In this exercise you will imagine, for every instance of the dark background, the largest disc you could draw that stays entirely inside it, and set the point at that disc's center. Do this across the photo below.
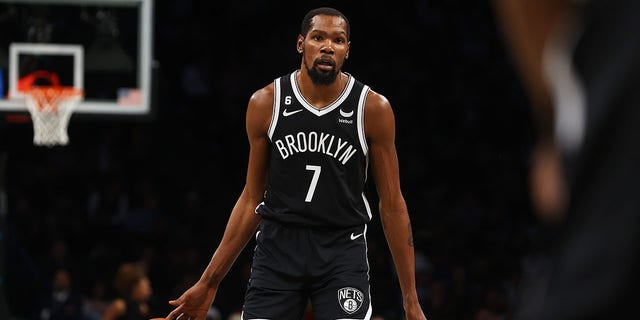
(159, 189)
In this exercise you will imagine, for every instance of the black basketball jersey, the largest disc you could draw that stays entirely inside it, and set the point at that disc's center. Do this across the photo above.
(318, 161)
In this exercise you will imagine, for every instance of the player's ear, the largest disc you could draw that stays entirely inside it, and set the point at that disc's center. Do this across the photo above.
(346, 56)
(300, 44)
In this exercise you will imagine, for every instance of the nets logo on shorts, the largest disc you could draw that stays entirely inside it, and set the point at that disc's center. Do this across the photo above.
(350, 299)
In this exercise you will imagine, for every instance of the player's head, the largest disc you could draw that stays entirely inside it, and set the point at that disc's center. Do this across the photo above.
(307, 22)
(324, 43)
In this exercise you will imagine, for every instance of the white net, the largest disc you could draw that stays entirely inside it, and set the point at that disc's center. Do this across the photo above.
(51, 109)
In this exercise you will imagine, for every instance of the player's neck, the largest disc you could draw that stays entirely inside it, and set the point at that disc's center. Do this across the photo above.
(320, 95)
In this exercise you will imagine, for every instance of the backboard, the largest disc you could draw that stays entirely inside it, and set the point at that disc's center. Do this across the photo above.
(103, 47)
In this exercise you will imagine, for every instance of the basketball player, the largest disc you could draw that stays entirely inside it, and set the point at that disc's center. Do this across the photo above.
(312, 135)
(580, 62)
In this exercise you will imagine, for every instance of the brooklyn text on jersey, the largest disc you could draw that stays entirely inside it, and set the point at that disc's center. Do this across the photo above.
(312, 141)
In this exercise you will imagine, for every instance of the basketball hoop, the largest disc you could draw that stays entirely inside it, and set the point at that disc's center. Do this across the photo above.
(51, 108)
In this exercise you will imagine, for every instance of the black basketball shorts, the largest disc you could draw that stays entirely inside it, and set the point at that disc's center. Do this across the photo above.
(296, 267)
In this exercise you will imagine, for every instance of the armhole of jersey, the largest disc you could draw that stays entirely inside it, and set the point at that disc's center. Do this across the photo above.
(276, 108)
(361, 134)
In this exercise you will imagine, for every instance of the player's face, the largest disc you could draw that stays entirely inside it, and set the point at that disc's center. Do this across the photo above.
(324, 48)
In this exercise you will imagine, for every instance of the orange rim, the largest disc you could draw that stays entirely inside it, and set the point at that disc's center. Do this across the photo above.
(45, 95)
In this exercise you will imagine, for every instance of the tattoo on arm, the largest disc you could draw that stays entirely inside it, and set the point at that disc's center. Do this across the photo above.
(410, 240)
(213, 280)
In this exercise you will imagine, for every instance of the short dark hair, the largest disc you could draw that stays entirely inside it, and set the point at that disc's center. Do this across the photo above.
(306, 22)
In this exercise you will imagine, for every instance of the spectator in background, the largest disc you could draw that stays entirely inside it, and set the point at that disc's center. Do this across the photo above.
(62, 301)
(235, 316)
(213, 314)
(96, 302)
(134, 292)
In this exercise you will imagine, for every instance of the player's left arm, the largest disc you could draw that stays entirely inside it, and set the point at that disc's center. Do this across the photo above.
(380, 130)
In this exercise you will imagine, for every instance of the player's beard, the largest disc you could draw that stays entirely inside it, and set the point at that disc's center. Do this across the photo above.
(321, 78)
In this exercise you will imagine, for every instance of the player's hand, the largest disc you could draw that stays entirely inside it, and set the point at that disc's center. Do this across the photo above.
(193, 304)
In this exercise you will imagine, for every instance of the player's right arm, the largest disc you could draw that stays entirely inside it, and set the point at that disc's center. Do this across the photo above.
(195, 302)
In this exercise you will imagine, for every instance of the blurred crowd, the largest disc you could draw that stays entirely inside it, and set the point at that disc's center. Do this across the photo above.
(157, 191)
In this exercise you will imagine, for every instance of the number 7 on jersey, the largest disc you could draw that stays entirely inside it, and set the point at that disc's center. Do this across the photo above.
(314, 181)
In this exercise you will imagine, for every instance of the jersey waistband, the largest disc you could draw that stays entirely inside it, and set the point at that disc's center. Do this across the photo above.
(288, 224)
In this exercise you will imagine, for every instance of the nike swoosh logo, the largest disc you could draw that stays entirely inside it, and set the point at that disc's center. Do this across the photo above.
(356, 236)
(288, 113)
(346, 114)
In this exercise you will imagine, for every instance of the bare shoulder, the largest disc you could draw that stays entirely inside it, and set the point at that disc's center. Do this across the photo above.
(259, 109)
(116, 309)
(376, 103)
(263, 97)
(378, 116)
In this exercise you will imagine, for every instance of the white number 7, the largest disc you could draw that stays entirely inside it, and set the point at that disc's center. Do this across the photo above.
(314, 181)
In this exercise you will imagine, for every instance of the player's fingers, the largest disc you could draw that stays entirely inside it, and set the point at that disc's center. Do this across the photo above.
(176, 302)
(176, 313)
